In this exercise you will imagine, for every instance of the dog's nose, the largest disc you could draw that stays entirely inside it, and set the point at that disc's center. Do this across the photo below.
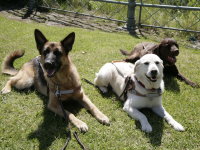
(49, 64)
(154, 72)
(176, 52)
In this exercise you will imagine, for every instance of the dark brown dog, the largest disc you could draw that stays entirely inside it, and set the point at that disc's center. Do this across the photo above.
(167, 50)
(55, 69)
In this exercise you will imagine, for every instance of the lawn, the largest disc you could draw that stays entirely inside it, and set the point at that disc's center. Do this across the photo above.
(26, 123)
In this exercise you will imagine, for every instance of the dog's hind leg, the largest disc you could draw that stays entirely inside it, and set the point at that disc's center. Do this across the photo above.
(8, 86)
(22, 80)
(102, 82)
(160, 111)
(103, 78)
(137, 115)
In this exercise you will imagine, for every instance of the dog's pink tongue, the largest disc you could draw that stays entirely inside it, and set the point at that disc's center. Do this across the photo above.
(50, 72)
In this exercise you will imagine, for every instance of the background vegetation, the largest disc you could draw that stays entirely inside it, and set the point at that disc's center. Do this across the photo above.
(26, 123)
(182, 19)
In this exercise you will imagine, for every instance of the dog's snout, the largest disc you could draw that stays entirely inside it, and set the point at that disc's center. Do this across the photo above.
(154, 72)
(176, 52)
(48, 64)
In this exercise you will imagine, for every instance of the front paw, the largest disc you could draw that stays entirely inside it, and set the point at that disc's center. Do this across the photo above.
(194, 85)
(146, 127)
(104, 120)
(82, 126)
(178, 127)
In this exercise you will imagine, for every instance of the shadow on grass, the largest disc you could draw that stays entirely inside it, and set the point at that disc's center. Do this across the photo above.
(157, 123)
(53, 126)
(110, 94)
(171, 84)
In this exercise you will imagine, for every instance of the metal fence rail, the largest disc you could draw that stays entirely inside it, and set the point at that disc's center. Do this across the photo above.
(180, 16)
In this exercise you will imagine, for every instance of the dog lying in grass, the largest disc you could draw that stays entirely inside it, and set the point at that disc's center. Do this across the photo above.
(146, 89)
(52, 74)
(167, 50)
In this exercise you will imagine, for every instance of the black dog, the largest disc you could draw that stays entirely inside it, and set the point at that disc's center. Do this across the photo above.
(167, 50)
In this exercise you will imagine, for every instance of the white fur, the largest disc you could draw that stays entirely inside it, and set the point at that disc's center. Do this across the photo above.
(108, 75)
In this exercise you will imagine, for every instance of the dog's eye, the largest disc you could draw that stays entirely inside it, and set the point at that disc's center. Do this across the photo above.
(45, 52)
(57, 53)
(146, 63)
(157, 62)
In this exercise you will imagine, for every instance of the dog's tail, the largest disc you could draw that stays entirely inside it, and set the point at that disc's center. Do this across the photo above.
(7, 67)
(123, 52)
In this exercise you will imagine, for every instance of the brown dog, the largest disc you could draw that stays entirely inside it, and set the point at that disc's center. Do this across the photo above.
(55, 69)
(167, 50)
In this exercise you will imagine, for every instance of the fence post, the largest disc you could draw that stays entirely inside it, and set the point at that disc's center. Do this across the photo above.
(31, 6)
(131, 26)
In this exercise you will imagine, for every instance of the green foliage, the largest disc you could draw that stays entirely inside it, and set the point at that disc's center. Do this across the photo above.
(26, 123)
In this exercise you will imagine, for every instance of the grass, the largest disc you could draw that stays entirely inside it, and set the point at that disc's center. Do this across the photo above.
(26, 123)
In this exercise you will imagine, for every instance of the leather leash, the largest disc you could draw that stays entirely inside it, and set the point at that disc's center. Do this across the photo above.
(130, 85)
(68, 130)
(58, 94)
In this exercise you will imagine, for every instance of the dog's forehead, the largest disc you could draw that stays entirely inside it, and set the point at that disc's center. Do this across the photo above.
(150, 58)
(53, 45)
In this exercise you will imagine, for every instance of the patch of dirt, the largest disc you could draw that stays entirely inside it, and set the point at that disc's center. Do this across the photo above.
(80, 21)
(67, 19)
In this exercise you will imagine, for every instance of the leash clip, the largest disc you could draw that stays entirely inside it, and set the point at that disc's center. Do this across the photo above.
(58, 93)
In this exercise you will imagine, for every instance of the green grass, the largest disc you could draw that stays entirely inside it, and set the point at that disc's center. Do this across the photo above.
(26, 123)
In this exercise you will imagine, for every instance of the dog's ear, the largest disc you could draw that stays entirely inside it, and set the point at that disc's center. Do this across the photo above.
(40, 40)
(136, 65)
(68, 42)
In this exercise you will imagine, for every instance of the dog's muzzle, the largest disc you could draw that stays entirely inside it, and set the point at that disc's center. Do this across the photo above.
(153, 75)
(50, 68)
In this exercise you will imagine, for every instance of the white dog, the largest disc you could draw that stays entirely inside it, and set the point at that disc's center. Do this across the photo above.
(147, 87)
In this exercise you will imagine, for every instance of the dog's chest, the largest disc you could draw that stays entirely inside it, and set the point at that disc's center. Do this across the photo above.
(143, 102)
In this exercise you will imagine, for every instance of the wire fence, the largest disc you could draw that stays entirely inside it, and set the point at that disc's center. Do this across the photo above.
(182, 15)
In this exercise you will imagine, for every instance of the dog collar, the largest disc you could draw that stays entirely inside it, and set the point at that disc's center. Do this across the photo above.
(151, 92)
(156, 93)
(130, 87)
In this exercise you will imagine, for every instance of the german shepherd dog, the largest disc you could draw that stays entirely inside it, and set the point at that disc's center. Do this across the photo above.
(51, 70)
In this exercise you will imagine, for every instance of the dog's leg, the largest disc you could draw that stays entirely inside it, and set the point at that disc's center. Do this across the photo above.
(86, 102)
(173, 71)
(160, 111)
(137, 115)
(182, 78)
(54, 106)
(7, 88)
(101, 82)
(22, 80)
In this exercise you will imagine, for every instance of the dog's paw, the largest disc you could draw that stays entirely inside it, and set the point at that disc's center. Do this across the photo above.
(104, 120)
(177, 126)
(82, 126)
(146, 127)
(103, 89)
(5, 90)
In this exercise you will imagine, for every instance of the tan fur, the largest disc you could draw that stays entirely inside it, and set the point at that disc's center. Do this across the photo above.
(7, 67)
(65, 78)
